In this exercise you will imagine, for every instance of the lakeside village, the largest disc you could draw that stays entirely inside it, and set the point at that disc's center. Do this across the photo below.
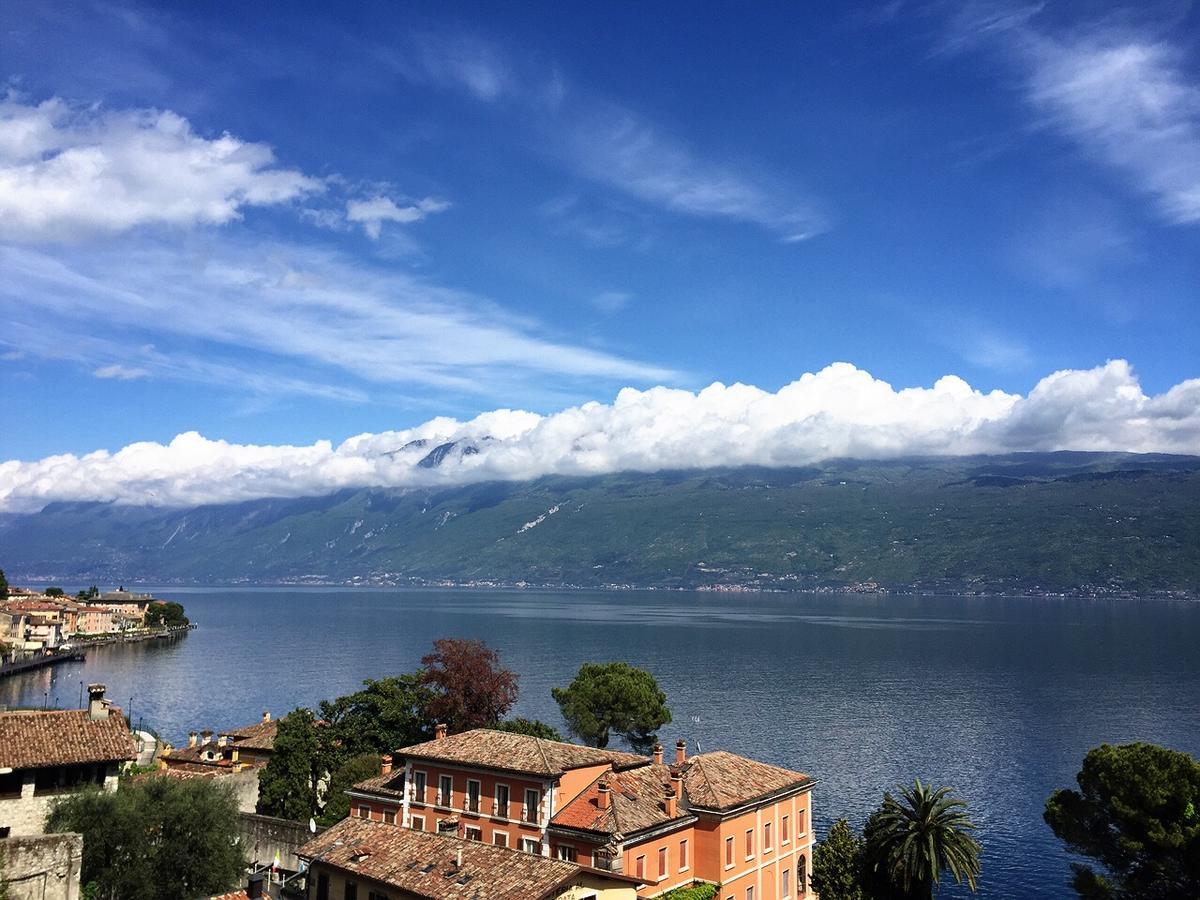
(39, 628)
(420, 787)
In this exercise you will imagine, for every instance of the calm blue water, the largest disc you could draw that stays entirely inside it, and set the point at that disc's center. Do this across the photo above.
(1000, 698)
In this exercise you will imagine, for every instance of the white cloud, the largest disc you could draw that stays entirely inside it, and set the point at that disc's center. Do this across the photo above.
(287, 317)
(121, 372)
(372, 213)
(1132, 103)
(840, 411)
(68, 173)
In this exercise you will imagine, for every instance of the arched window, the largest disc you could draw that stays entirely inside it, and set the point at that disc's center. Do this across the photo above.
(801, 875)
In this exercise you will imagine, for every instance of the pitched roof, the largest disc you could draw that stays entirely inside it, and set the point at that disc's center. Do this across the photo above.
(60, 737)
(721, 780)
(426, 865)
(635, 803)
(390, 785)
(259, 736)
(522, 753)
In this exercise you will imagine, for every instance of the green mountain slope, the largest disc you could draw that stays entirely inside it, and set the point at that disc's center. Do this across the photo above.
(1066, 521)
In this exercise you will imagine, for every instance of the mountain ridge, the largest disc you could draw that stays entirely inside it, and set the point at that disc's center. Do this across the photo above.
(1093, 523)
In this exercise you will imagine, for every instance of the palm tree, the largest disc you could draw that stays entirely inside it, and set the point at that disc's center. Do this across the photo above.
(911, 841)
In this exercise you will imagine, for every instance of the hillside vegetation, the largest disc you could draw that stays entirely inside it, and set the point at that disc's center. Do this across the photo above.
(1065, 521)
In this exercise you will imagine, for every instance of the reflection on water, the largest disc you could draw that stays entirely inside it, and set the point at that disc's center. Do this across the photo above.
(1000, 698)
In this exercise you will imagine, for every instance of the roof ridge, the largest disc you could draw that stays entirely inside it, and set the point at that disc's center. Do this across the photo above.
(545, 758)
(698, 761)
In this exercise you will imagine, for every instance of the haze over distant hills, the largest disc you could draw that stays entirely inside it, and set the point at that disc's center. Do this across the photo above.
(1086, 522)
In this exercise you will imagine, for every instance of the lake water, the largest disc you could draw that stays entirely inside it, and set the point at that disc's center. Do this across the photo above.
(1000, 698)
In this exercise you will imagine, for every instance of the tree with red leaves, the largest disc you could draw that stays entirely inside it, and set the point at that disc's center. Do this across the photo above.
(470, 688)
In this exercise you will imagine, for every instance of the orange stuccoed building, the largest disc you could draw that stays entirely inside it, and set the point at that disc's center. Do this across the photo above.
(713, 817)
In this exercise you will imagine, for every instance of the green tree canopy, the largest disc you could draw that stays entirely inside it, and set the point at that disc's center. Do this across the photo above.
(53, 591)
(531, 727)
(385, 715)
(3, 586)
(1137, 814)
(613, 698)
(351, 772)
(911, 840)
(837, 864)
(468, 686)
(287, 785)
(159, 839)
(169, 614)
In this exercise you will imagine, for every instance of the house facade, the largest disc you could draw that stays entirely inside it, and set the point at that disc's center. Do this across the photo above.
(47, 753)
(714, 817)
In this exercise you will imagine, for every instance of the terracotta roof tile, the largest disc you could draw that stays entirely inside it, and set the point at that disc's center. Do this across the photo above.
(35, 740)
(636, 802)
(425, 865)
(234, 895)
(490, 749)
(389, 785)
(721, 780)
(259, 736)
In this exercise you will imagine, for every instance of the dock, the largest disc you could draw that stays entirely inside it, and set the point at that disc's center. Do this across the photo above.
(37, 662)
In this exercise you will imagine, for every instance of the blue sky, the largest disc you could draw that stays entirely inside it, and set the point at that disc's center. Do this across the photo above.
(311, 220)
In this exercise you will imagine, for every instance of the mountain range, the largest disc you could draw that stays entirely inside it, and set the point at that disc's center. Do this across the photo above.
(1099, 523)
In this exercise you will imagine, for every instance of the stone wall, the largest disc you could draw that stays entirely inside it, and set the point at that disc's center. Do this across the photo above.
(43, 868)
(264, 836)
(25, 816)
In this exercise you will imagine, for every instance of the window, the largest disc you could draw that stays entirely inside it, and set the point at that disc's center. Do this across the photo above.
(351, 892)
(445, 790)
(750, 893)
(474, 834)
(749, 842)
(639, 867)
(662, 862)
(529, 845)
(683, 857)
(766, 837)
(472, 799)
(418, 823)
(565, 852)
(728, 852)
(364, 812)
(801, 875)
(501, 807)
(322, 887)
(785, 888)
(419, 787)
(500, 838)
(11, 784)
(389, 817)
(800, 829)
(784, 834)
(533, 800)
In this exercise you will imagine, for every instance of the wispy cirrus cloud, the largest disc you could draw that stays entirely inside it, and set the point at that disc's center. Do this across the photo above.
(373, 212)
(1126, 97)
(278, 317)
(607, 142)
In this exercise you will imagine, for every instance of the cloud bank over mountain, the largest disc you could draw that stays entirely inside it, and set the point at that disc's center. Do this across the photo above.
(840, 411)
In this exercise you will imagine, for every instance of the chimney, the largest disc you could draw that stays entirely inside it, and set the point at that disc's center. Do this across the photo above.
(680, 751)
(222, 740)
(439, 731)
(604, 798)
(97, 708)
(192, 738)
(458, 859)
(205, 736)
(658, 754)
(385, 764)
(670, 804)
(254, 888)
(677, 784)
(266, 717)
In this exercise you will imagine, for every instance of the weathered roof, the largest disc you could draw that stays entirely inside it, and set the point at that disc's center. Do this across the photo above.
(390, 785)
(636, 802)
(721, 780)
(426, 864)
(43, 738)
(259, 736)
(522, 753)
